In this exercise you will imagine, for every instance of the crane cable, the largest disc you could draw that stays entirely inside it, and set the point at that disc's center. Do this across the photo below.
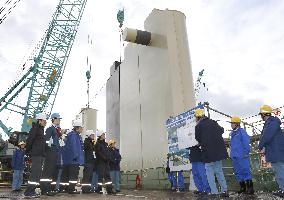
(3, 15)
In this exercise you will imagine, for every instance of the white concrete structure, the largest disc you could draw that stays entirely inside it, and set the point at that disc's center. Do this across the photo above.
(113, 104)
(155, 83)
(88, 116)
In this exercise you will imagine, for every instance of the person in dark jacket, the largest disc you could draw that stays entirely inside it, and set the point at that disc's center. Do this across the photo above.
(272, 141)
(18, 165)
(73, 157)
(89, 149)
(35, 147)
(103, 158)
(208, 134)
(50, 171)
(240, 150)
(198, 170)
(114, 165)
(95, 175)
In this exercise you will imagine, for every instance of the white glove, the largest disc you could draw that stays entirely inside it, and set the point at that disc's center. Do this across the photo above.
(50, 142)
(61, 143)
(94, 154)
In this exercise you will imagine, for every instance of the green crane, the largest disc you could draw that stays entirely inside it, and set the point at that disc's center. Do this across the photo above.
(41, 81)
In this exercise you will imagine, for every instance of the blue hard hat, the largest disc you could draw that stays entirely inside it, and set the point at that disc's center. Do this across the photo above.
(55, 115)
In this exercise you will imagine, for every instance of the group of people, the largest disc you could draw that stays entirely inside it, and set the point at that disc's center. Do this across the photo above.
(56, 159)
(206, 157)
(53, 151)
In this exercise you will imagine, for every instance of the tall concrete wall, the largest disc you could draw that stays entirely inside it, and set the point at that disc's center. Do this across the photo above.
(112, 104)
(156, 82)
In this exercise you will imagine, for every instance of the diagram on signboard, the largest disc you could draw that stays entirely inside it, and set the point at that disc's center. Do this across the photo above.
(181, 136)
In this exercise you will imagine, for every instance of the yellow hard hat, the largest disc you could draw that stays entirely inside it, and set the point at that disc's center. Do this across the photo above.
(199, 112)
(21, 143)
(235, 119)
(265, 109)
(111, 142)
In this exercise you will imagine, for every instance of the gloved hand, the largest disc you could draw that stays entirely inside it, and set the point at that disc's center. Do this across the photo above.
(61, 142)
(50, 142)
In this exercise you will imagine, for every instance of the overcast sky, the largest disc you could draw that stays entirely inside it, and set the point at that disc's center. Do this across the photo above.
(239, 43)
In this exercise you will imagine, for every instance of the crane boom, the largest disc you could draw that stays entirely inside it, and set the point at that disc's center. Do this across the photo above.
(43, 78)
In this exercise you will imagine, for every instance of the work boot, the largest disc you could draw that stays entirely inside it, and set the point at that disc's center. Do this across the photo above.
(249, 185)
(87, 190)
(279, 193)
(63, 189)
(72, 190)
(48, 193)
(197, 192)
(31, 195)
(212, 196)
(56, 191)
(30, 192)
(204, 193)
(109, 189)
(52, 188)
(242, 187)
(44, 188)
(224, 195)
(99, 189)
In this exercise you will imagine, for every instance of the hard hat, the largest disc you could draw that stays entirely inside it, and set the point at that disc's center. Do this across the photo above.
(111, 142)
(199, 113)
(55, 116)
(22, 143)
(89, 133)
(265, 109)
(99, 133)
(235, 119)
(41, 116)
(77, 123)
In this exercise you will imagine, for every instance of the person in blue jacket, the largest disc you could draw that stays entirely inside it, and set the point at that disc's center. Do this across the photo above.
(198, 171)
(50, 170)
(272, 141)
(240, 150)
(73, 157)
(168, 171)
(178, 181)
(59, 164)
(18, 165)
(114, 164)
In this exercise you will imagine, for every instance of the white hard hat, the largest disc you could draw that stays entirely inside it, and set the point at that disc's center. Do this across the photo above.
(77, 123)
(41, 116)
(99, 133)
(89, 133)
